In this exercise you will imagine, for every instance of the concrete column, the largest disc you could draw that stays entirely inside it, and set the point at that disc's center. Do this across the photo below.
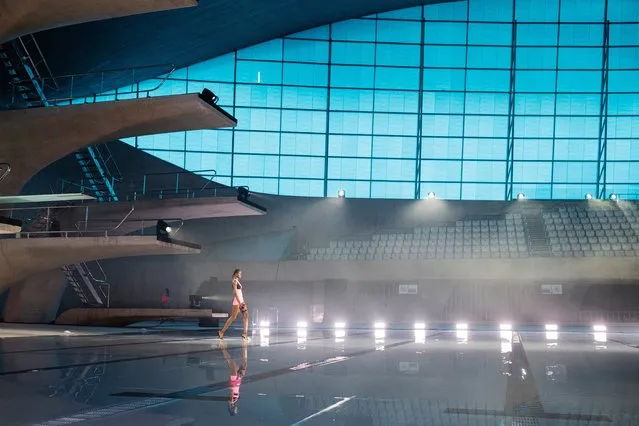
(36, 299)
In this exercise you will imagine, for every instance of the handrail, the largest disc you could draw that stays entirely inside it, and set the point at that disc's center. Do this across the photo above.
(175, 219)
(124, 218)
(209, 181)
(6, 172)
(44, 60)
(63, 234)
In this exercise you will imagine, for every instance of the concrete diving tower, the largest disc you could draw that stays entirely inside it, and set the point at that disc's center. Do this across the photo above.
(21, 17)
(23, 257)
(36, 137)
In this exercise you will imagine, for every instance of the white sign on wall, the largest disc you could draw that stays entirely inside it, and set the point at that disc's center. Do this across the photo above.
(408, 289)
(552, 289)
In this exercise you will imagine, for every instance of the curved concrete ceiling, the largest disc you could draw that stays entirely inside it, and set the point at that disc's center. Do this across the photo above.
(187, 36)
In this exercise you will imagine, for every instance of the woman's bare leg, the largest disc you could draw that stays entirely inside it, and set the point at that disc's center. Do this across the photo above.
(229, 321)
(245, 318)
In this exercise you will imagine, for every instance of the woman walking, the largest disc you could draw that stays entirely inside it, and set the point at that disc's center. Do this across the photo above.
(238, 306)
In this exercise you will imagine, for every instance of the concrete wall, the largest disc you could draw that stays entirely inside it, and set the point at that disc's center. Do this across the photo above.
(35, 300)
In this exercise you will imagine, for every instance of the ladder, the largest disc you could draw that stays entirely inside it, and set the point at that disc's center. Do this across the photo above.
(85, 285)
(538, 242)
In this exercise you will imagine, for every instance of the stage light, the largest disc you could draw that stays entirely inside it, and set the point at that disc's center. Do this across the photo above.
(340, 325)
(209, 97)
(521, 196)
(379, 325)
(265, 324)
(461, 326)
(431, 195)
(589, 196)
(505, 327)
(614, 197)
(162, 229)
(243, 193)
(552, 327)
(341, 193)
(302, 324)
(599, 327)
(420, 326)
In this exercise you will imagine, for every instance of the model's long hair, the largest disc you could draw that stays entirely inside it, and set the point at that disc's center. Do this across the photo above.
(236, 273)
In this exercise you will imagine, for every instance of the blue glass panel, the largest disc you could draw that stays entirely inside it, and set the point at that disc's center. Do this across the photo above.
(397, 78)
(572, 192)
(483, 191)
(624, 57)
(443, 79)
(623, 127)
(413, 13)
(304, 97)
(395, 124)
(493, 80)
(532, 171)
(305, 51)
(622, 172)
(301, 167)
(305, 74)
(533, 127)
(209, 140)
(349, 146)
(623, 149)
(173, 157)
(255, 165)
(490, 34)
(577, 127)
(580, 57)
(259, 72)
(534, 81)
(534, 104)
(397, 31)
(394, 147)
(353, 53)
(443, 191)
(207, 161)
(440, 170)
(355, 77)
(442, 125)
(484, 171)
(397, 54)
(257, 119)
(224, 91)
(353, 189)
(576, 149)
(354, 30)
(577, 104)
(494, 10)
(270, 51)
(445, 33)
(443, 102)
(302, 187)
(537, 34)
(303, 144)
(623, 10)
(395, 101)
(444, 148)
(393, 170)
(304, 121)
(625, 34)
(533, 191)
(258, 184)
(581, 35)
(169, 87)
(486, 103)
(164, 141)
(486, 126)
(533, 149)
(318, 33)
(623, 81)
(453, 11)
(575, 172)
(489, 57)
(257, 142)
(130, 141)
(582, 10)
(395, 190)
(537, 10)
(217, 69)
(351, 100)
(623, 104)
(484, 149)
(351, 123)
(536, 58)
(349, 168)
(257, 95)
(445, 56)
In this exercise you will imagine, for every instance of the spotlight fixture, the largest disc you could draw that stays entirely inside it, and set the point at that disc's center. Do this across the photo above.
(521, 196)
(209, 97)
(431, 195)
(589, 196)
(243, 193)
(341, 193)
(614, 197)
(162, 229)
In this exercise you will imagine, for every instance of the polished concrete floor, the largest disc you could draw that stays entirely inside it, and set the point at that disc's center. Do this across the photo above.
(322, 377)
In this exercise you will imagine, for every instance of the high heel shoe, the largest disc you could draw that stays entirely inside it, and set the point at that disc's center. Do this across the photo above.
(220, 335)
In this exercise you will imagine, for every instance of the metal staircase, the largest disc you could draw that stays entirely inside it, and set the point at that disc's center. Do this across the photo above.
(538, 242)
(31, 79)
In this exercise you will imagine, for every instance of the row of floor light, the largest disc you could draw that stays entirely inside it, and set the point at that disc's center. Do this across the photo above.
(521, 196)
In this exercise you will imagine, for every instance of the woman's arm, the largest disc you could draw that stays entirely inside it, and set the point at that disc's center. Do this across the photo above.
(235, 291)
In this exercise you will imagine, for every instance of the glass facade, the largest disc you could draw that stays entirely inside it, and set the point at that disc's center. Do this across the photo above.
(478, 99)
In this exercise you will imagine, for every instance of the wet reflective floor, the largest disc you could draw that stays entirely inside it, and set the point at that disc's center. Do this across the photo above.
(322, 377)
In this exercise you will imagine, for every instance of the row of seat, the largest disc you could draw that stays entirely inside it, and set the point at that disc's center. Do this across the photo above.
(599, 253)
(592, 220)
(515, 246)
(427, 255)
(563, 245)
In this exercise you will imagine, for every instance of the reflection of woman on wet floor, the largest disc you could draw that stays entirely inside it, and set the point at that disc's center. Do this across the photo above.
(238, 306)
(236, 375)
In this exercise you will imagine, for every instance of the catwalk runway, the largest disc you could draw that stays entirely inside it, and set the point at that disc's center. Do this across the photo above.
(311, 377)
